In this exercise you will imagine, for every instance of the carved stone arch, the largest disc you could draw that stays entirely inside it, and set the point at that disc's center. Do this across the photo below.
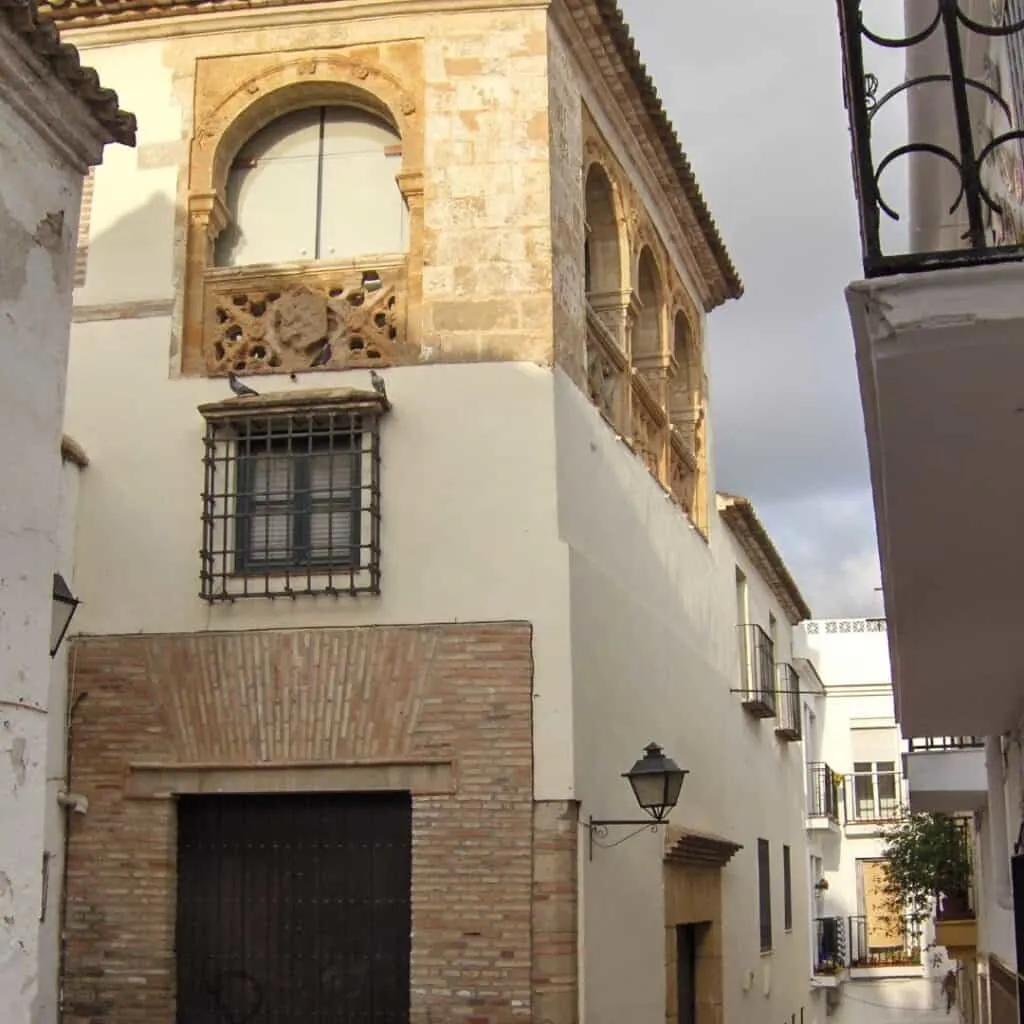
(650, 287)
(605, 256)
(235, 98)
(302, 81)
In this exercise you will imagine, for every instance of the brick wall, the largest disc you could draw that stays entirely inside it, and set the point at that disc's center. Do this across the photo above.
(493, 891)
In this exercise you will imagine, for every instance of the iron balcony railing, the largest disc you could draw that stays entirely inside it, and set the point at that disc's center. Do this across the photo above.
(945, 743)
(957, 121)
(884, 942)
(788, 683)
(829, 945)
(757, 670)
(822, 792)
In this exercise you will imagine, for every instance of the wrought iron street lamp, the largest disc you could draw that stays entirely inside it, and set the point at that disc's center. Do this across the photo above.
(65, 604)
(656, 781)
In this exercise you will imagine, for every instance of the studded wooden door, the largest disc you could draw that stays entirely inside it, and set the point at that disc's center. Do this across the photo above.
(294, 908)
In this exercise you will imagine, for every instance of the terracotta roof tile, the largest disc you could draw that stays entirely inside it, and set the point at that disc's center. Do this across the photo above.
(42, 37)
(627, 49)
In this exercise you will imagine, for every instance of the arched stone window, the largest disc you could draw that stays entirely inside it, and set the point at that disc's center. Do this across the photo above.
(685, 394)
(647, 333)
(602, 258)
(318, 183)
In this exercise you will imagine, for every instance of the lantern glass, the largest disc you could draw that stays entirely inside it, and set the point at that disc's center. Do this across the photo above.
(656, 781)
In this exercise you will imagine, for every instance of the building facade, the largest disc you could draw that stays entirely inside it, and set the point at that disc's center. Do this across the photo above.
(936, 331)
(363, 654)
(55, 120)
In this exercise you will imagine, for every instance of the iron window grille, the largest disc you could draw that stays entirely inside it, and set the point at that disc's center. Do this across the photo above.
(291, 501)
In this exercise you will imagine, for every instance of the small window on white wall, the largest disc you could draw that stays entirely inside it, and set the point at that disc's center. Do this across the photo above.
(316, 184)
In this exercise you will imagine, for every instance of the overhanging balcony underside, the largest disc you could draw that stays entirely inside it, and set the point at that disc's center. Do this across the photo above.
(941, 364)
(950, 779)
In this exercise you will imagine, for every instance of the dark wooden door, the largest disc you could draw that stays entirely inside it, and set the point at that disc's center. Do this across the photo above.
(294, 908)
(686, 972)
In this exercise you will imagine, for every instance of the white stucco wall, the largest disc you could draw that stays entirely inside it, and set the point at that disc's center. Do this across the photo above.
(35, 307)
(654, 657)
(853, 658)
(56, 764)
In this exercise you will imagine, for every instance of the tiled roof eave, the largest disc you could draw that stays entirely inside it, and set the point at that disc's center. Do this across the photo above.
(41, 36)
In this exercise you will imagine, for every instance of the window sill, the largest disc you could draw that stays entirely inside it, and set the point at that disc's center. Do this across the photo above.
(287, 402)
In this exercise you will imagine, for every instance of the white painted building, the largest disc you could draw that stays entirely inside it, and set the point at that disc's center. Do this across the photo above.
(55, 120)
(937, 333)
(522, 573)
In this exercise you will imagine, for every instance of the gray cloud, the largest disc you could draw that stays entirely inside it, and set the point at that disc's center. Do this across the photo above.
(755, 92)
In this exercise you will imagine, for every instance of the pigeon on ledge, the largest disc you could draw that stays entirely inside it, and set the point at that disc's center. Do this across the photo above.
(239, 388)
(323, 357)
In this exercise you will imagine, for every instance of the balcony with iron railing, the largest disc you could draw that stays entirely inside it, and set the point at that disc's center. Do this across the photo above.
(935, 99)
(788, 696)
(884, 942)
(932, 743)
(829, 946)
(946, 774)
(823, 796)
(757, 670)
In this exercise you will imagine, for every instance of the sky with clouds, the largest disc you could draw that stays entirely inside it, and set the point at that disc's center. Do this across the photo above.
(755, 92)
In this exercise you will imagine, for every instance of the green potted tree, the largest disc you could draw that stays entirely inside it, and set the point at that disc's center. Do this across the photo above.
(929, 871)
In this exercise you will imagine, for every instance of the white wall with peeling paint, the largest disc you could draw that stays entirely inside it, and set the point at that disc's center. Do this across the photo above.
(47, 140)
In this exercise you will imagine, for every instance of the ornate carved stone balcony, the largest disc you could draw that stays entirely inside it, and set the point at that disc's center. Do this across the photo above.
(606, 371)
(302, 317)
(648, 423)
(682, 472)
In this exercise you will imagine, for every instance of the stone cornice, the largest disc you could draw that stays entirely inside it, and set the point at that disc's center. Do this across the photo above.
(739, 515)
(103, 22)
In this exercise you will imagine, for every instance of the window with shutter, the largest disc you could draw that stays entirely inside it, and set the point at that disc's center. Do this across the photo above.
(764, 893)
(787, 889)
(316, 184)
(292, 500)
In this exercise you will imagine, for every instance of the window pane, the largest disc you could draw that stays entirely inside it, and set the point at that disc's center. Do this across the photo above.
(864, 796)
(333, 472)
(333, 535)
(362, 208)
(887, 792)
(271, 194)
(269, 535)
(271, 477)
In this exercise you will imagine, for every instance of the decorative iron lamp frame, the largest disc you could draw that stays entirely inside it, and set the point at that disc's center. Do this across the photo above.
(656, 781)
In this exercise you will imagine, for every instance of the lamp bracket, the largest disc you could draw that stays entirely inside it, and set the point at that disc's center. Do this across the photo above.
(598, 829)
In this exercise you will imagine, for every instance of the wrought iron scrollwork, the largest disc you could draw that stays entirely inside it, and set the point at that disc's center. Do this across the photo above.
(967, 159)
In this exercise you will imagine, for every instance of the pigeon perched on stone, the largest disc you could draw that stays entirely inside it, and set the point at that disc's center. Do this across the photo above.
(323, 357)
(239, 388)
(378, 383)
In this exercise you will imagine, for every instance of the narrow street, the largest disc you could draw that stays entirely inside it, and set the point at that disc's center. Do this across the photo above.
(893, 1001)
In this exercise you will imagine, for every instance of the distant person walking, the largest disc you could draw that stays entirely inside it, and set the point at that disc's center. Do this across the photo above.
(949, 989)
